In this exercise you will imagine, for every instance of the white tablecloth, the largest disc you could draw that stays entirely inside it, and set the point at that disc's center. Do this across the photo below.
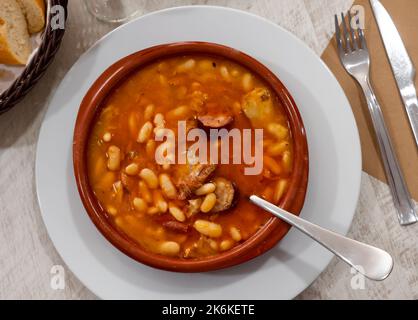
(26, 252)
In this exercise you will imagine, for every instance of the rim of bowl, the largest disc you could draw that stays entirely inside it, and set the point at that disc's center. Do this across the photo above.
(264, 239)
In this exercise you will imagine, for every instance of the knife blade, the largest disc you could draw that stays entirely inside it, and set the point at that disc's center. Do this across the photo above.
(400, 61)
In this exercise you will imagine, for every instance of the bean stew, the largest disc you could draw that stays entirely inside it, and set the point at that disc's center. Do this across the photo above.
(194, 209)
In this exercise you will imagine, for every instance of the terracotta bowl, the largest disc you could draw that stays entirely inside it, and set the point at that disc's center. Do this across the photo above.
(271, 233)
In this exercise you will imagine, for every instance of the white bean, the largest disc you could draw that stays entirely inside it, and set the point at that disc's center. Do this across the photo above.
(113, 162)
(132, 169)
(235, 73)
(112, 210)
(140, 205)
(107, 137)
(287, 161)
(226, 245)
(170, 248)
(159, 201)
(153, 210)
(177, 213)
(235, 234)
(213, 245)
(188, 65)
(277, 149)
(247, 82)
(149, 177)
(144, 191)
(272, 165)
(206, 65)
(145, 132)
(205, 189)
(133, 124)
(178, 113)
(225, 73)
(208, 203)
(277, 130)
(167, 186)
(207, 228)
(279, 190)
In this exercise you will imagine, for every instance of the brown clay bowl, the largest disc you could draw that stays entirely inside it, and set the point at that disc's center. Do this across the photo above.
(269, 235)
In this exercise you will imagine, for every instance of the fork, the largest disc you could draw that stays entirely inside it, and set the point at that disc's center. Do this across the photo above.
(355, 57)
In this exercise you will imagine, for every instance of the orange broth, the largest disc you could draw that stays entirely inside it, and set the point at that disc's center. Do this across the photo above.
(200, 84)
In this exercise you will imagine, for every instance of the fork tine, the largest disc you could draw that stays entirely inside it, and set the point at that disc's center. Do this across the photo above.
(353, 33)
(361, 36)
(346, 34)
(338, 37)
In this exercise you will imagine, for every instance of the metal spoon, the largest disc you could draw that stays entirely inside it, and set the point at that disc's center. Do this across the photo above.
(372, 262)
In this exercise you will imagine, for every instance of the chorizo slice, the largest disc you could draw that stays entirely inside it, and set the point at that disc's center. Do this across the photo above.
(176, 226)
(226, 194)
(215, 121)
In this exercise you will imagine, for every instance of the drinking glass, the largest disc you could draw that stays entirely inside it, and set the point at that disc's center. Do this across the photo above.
(115, 11)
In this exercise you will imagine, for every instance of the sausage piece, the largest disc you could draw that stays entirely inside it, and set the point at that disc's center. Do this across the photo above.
(176, 226)
(215, 121)
(194, 180)
(226, 194)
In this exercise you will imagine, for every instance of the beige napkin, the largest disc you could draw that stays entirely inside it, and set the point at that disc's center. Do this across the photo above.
(404, 14)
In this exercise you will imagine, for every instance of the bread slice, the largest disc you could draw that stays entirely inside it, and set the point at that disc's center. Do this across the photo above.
(34, 11)
(15, 45)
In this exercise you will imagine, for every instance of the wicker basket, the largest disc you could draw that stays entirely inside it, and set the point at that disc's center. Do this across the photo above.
(51, 40)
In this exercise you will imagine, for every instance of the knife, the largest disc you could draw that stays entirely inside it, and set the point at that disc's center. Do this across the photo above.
(402, 66)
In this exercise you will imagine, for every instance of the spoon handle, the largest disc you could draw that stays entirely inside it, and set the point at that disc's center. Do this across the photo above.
(370, 261)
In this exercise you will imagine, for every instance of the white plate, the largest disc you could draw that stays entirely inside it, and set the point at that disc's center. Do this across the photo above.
(335, 163)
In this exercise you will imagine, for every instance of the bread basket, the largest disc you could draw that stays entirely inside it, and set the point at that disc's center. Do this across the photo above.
(40, 60)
